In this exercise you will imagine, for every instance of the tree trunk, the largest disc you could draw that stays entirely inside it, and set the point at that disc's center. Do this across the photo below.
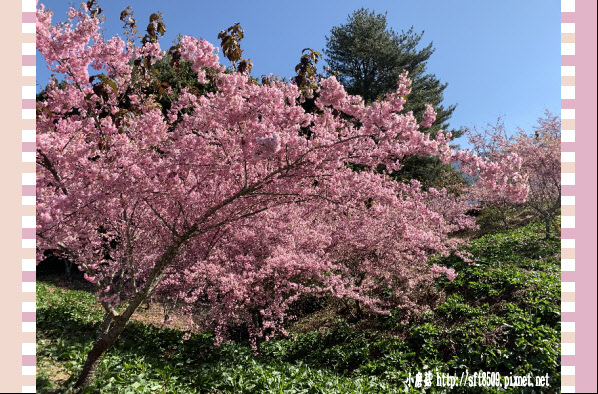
(109, 332)
(503, 216)
(107, 337)
(67, 267)
(358, 309)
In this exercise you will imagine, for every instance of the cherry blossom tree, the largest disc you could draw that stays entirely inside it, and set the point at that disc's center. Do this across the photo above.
(356, 253)
(540, 155)
(223, 197)
(491, 143)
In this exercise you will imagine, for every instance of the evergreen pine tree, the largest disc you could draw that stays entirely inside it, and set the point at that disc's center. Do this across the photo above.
(368, 58)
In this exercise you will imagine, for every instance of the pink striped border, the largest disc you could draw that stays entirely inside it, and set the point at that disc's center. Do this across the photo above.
(569, 274)
(28, 359)
(578, 174)
(568, 197)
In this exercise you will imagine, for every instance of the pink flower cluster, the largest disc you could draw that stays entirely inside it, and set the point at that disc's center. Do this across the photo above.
(223, 200)
(534, 160)
(429, 117)
(267, 146)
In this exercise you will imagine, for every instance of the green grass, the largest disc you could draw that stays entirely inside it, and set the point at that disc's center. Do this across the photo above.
(500, 315)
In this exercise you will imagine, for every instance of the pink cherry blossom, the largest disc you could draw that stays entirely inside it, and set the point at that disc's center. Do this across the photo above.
(223, 201)
(535, 162)
(429, 117)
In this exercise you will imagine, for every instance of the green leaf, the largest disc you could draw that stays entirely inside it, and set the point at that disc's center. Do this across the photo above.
(113, 85)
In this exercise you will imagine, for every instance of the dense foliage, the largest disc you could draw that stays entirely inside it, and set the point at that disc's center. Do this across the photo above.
(541, 163)
(368, 57)
(225, 198)
(500, 315)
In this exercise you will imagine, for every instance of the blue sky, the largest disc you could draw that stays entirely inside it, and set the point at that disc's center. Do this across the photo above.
(500, 58)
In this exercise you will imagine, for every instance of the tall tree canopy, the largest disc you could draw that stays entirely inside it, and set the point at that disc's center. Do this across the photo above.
(369, 57)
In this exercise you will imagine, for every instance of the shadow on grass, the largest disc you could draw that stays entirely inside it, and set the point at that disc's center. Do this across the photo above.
(44, 385)
(61, 280)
